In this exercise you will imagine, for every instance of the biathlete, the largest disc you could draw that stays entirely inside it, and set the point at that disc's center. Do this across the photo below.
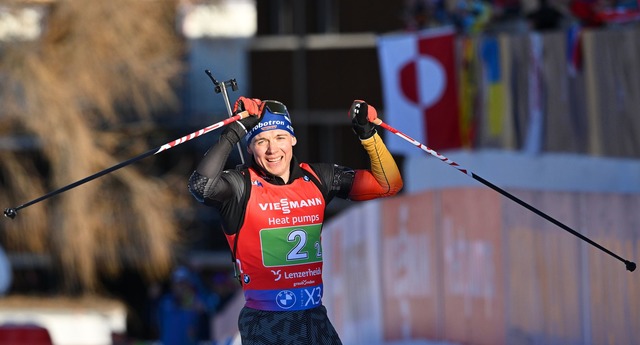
(273, 209)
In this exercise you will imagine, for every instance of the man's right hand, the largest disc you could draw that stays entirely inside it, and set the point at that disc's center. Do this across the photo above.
(253, 106)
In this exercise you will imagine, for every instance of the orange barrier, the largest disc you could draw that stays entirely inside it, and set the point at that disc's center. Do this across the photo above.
(466, 265)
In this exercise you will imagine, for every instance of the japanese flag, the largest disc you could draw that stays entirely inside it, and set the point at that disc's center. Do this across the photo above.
(419, 89)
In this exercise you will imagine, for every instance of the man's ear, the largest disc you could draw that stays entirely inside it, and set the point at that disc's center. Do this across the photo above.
(294, 141)
(249, 149)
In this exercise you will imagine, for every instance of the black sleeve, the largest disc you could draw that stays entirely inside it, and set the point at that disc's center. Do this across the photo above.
(335, 179)
(211, 185)
(223, 189)
(229, 187)
(214, 160)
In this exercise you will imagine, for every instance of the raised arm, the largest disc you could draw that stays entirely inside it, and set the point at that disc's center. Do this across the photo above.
(207, 182)
(383, 177)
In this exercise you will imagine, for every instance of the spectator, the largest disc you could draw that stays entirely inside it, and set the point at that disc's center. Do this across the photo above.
(184, 312)
(587, 12)
(472, 16)
(545, 17)
(421, 14)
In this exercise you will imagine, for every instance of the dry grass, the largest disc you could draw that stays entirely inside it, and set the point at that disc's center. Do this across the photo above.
(67, 90)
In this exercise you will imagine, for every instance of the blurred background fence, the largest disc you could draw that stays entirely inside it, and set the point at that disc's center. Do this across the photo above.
(465, 265)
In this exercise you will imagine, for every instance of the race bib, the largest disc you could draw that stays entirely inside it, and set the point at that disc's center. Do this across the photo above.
(288, 246)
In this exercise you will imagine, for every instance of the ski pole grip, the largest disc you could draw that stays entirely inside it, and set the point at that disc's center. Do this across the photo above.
(244, 114)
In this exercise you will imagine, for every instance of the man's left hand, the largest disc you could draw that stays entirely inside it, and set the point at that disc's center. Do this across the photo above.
(362, 116)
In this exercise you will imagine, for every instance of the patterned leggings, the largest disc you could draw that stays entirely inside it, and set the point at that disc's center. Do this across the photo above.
(301, 327)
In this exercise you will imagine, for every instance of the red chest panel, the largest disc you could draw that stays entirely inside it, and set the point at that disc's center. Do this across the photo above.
(279, 245)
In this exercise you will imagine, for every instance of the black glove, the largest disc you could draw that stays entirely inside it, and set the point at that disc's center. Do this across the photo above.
(253, 106)
(362, 116)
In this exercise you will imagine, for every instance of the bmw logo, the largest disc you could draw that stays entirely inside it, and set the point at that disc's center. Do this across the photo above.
(246, 279)
(285, 299)
(306, 178)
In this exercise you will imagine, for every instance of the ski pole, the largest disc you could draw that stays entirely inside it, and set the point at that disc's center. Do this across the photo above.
(631, 266)
(13, 211)
(222, 87)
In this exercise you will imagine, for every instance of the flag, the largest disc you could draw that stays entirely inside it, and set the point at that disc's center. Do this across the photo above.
(574, 49)
(419, 88)
(469, 89)
(535, 124)
(493, 126)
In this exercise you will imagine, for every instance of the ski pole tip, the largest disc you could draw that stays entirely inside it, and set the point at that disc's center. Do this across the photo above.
(11, 213)
(631, 266)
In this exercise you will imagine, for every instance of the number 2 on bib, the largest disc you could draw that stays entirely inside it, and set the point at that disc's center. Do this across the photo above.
(291, 245)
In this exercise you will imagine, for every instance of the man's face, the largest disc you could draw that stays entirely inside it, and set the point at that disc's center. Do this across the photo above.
(273, 150)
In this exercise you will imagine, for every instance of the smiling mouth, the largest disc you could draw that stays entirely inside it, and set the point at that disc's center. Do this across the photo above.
(274, 160)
